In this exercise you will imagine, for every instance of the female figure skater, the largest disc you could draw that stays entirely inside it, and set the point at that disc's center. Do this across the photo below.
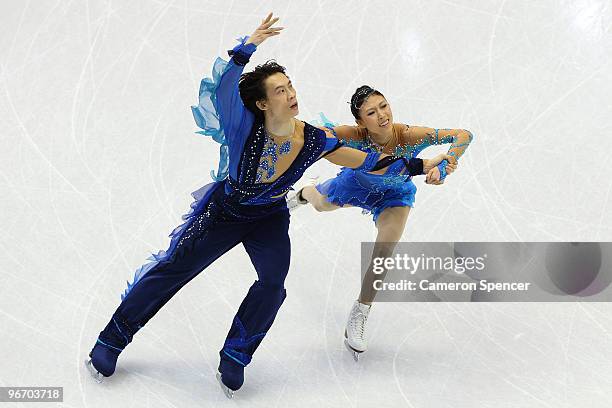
(264, 152)
(388, 197)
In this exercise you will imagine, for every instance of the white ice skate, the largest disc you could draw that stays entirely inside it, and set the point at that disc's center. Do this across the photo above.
(228, 392)
(354, 333)
(92, 370)
(294, 200)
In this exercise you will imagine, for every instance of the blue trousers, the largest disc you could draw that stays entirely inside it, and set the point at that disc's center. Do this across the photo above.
(218, 228)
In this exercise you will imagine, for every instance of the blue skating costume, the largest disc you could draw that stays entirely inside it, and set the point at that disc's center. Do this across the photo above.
(376, 192)
(243, 207)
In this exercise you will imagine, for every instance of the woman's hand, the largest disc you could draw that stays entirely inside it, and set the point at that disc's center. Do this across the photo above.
(264, 31)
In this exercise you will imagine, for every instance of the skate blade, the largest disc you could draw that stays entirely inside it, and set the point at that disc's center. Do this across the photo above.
(228, 393)
(354, 352)
(94, 373)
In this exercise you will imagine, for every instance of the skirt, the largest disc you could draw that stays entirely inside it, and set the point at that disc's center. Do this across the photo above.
(371, 192)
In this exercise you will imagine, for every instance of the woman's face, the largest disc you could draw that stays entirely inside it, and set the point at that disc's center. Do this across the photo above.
(375, 115)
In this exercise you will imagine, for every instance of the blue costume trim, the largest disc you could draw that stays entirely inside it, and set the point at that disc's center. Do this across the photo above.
(232, 346)
(228, 353)
(127, 341)
(109, 346)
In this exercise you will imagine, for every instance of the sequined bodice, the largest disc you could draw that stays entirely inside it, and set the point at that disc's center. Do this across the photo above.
(277, 156)
(253, 185)
(399, 150)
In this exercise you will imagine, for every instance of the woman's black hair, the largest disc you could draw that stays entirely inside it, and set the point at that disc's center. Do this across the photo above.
(251, 85)
(361, 94)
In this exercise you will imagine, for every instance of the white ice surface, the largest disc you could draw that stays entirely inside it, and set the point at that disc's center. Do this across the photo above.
(98, 158)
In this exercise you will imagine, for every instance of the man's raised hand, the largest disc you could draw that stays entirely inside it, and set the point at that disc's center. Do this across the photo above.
(265, 30)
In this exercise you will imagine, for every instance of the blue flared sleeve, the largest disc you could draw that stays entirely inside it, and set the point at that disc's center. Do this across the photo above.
(220, 112)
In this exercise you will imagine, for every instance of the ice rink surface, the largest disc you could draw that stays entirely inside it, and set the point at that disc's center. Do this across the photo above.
(99, 157)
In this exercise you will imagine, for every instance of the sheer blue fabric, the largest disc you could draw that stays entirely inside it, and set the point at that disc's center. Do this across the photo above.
(220, 111)
(207, 118)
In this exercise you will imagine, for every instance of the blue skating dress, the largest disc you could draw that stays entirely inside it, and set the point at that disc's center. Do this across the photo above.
(371, 192)
(376, 192)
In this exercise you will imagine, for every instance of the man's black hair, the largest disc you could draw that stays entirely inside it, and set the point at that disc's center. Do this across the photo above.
(251, 85)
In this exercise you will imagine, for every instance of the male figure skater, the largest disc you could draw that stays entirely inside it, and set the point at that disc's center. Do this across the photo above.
(268, 151)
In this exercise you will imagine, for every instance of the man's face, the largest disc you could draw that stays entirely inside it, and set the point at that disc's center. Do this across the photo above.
(281, 101)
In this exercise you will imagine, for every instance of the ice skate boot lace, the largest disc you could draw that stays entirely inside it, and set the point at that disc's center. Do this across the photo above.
(358, 321)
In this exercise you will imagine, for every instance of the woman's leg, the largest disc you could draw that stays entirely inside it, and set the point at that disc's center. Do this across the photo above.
(318, 200)
(390, 225)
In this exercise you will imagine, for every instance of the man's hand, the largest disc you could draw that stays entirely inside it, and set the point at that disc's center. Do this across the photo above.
(264, 31)
(433, 177)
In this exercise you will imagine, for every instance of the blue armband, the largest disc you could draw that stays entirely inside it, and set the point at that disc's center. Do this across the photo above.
(442, 168)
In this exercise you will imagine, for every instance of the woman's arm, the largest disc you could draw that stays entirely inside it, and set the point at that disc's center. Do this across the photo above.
(422, 137)
(347, 133)
(344, 133)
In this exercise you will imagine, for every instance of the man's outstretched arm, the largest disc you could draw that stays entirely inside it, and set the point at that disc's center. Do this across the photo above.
(379, 163)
